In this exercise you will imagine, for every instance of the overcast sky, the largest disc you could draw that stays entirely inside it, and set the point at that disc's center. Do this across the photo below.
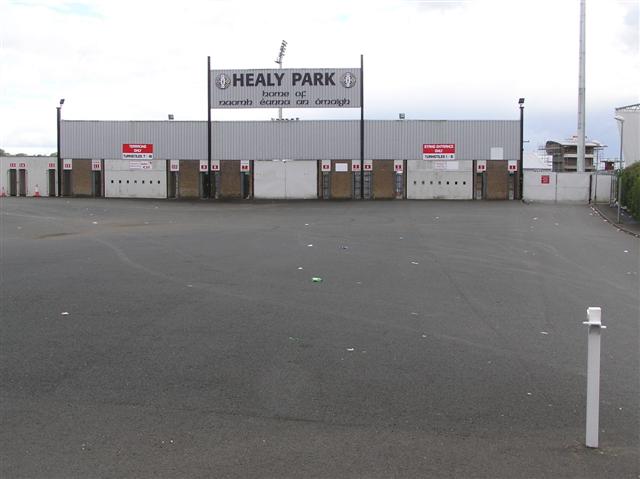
(448, 59)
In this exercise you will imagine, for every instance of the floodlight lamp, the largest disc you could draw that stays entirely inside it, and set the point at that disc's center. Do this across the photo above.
(61, 101)
(170, 116)
(619, 118)
(521, 101)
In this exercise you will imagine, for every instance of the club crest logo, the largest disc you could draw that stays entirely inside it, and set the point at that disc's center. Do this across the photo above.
(222, 81)
(348, 80)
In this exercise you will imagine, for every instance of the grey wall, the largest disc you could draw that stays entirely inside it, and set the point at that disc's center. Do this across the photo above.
(180, 140)
(303, 140)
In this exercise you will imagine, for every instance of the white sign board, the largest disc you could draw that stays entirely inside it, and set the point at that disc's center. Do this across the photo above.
(67, 164)
(398, 166)
(512, 166)
(481, 166)
(174, 165)
(244, 165)
(215, 165)
(96, 165)
(325, 165)
(497, 153)
(52, 165)
(286, 88)
(341, 167)
(368, 165)
(355, 165)
(204, 166)
(140, 165)
(446, 165)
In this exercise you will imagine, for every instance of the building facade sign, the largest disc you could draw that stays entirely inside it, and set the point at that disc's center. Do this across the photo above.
(286, 88)
(432, 151)
(137, 151)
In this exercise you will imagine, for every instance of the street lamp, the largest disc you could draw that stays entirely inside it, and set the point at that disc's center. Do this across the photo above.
(283, 49)
(521, 165)
(621, 120)
(58, 117)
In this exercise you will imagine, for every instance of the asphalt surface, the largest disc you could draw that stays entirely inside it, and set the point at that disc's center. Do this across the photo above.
(156, 339)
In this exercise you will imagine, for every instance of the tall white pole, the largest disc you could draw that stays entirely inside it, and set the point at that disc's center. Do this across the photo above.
(594, 316)
(581, 89)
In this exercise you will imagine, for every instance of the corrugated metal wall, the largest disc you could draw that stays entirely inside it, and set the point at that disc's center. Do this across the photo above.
(300, 140)
(179, 140)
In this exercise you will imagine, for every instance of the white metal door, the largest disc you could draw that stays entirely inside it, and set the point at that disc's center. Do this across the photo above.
(301, 179)
(121, 181)
(269, 179)
(424, 181)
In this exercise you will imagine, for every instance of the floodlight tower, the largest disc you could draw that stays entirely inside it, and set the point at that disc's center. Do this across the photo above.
(283, 49)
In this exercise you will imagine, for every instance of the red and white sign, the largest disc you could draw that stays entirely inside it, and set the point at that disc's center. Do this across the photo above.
(244, 165)
(433, 151)
(398, 166)
(22, 166)
(13, 165)
(132, 151)
(215, 165)
(326, 165)
(204, 165)
(545, 179)
(96, 165)
(355, 165)
(481, 166)
(368, 165)
(512, 166)
(174, 165)
(52, 165)
(67, 164)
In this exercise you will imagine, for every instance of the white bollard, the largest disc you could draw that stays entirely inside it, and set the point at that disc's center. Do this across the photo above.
(594, 317)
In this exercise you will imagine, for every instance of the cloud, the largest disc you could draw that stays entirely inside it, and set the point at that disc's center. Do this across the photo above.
(431, 59)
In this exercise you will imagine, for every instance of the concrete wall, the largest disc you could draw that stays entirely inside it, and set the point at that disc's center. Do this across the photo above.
(605, 184)
(37, 172)
(564, 187)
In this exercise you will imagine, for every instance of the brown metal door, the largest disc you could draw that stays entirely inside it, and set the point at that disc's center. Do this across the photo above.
(13, 182)
(188, 186)
(22, 182)
(52, 182)
(230, 179)
(497, 177)
(82, 178)
(384, 178)
(341, 181)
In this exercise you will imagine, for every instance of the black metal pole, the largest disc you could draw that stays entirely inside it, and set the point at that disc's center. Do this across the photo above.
(58, 118)
(362, 126)
(208, 127)
(520, 162)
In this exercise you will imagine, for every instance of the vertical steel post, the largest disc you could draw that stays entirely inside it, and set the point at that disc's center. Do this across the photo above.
(59, 115)
(521, 160)
(594, 321)
(362, 126)
(620, 171)
(208, 182)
